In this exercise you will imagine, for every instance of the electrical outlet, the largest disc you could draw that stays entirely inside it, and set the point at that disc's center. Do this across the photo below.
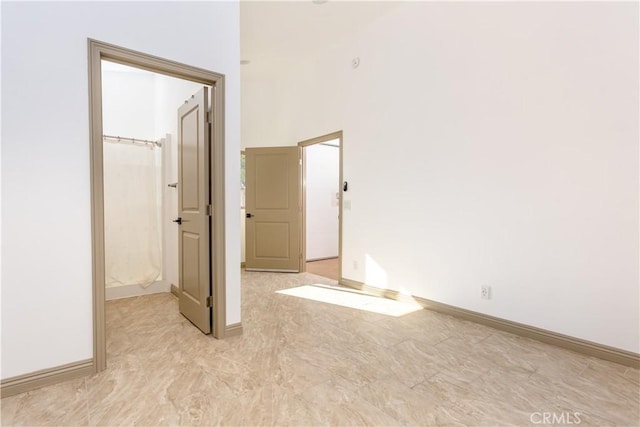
(355, 264)
(485, 292)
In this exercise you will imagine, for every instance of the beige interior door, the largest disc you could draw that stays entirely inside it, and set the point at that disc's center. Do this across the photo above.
(272, 177)
(194, 211)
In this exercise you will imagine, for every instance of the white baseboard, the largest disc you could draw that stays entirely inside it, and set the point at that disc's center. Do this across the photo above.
(127, 291)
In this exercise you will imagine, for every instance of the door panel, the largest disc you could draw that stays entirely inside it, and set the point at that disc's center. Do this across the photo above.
(273, 240)
(273, 203)
(272, 193)
(191, 269)
(190, 165)
(193, 201)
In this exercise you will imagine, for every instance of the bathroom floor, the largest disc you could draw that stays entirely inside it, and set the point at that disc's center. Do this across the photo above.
(303, 362)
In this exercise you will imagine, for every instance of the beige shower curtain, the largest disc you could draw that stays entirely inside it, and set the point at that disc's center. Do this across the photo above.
(133, 207)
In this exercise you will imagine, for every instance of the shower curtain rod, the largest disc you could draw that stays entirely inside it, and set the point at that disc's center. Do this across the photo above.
(132, 140)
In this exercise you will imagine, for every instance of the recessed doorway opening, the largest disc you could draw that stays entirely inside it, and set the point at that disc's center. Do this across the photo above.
(140, 164)
(201, 188)
(322, 201)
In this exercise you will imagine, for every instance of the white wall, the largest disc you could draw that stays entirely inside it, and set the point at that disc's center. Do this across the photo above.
(322, 175)
(46, 257)
(264, 102)
(486, 144)
(128, 104)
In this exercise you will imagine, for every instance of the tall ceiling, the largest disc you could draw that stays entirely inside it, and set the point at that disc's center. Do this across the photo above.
(288, 30)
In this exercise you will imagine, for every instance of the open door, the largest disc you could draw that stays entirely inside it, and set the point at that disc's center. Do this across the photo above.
(194, 211)
(273, 206)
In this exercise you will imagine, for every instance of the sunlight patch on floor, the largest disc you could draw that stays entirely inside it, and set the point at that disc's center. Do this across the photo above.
(352, 299)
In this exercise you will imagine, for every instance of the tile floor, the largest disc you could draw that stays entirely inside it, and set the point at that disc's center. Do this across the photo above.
(302, 362)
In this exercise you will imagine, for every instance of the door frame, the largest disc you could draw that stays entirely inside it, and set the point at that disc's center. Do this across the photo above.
(97, 51)
(303, 221)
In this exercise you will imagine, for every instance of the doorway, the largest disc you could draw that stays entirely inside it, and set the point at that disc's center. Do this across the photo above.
(274, 213)
(147, 175)
(213, 173)
(140, 169)
(322, 205)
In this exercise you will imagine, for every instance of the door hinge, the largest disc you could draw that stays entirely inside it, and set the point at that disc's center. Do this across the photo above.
(208, 116)
(209, 210)
(210, 301)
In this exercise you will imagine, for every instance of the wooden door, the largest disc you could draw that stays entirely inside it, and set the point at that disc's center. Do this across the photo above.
(194, 211)
(273, 209)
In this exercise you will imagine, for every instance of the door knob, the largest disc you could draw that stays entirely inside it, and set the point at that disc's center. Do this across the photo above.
(249, 215)
(179, 220)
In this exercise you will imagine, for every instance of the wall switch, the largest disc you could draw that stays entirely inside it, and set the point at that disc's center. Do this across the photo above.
(347, 205)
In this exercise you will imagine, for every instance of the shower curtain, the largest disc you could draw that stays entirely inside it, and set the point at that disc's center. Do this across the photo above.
(132, 217)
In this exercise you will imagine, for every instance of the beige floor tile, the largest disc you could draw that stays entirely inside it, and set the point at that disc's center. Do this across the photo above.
(406, 405)
(447, 402)
(60, 404)
(632, 375)
(302, 362)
